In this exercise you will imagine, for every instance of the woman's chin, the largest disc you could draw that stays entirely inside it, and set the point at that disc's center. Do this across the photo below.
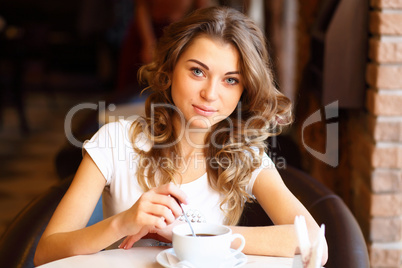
(202, 125)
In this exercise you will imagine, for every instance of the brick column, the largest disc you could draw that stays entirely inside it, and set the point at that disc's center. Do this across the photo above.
(381, 176)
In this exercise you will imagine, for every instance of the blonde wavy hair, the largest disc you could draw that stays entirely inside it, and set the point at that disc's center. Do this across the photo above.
(231, 155)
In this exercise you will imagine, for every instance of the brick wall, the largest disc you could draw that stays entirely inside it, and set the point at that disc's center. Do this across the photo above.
(379, 182)
(369, 175)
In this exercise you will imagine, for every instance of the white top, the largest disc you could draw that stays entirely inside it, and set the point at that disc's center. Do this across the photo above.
(113, 153)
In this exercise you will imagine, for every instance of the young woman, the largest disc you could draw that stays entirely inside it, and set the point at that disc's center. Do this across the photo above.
(213, 105)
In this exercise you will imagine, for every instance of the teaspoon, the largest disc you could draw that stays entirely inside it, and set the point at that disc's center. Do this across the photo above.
(185, 216)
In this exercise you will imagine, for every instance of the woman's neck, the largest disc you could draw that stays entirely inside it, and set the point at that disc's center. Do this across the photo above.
(191, 140)
(191, 156)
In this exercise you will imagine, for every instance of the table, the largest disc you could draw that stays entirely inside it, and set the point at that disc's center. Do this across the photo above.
(145, 257)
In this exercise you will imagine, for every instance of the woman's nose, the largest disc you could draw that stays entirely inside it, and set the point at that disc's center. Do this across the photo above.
(210, 91)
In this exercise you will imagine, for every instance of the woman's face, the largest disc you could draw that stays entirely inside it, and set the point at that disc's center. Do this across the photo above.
(206, 82)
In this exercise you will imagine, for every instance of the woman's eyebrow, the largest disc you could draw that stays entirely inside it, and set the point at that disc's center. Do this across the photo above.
(200, 63)
(207, 68)
(234, 72)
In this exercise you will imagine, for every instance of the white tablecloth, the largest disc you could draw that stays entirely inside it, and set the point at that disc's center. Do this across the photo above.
(146, 257)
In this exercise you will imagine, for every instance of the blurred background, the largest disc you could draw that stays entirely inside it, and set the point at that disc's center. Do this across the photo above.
(335, 59)
(47, 66)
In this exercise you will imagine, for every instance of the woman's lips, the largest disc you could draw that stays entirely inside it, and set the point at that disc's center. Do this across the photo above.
(204, 110)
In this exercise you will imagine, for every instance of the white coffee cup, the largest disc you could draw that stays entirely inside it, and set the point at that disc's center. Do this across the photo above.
(205, 251)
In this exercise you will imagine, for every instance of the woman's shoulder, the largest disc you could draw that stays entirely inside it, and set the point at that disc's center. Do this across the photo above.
(139, 139)
(120, 123)
(117, 132)
(119, 138)
(121, 126)
(123, 132)
(108, 134)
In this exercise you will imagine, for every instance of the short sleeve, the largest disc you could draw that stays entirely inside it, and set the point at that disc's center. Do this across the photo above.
(100, 148)
(107, 146)
(265, 163)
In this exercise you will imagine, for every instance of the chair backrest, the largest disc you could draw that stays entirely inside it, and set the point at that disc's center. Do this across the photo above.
(346, 244)
(18, 243)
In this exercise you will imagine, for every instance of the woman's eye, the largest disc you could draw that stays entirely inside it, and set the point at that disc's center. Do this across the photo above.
(232, 81)
(197, 72)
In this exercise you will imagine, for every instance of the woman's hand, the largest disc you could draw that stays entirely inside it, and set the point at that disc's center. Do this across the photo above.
(163, 235)
(152, 213)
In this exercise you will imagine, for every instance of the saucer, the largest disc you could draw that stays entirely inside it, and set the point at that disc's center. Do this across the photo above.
(161, 258)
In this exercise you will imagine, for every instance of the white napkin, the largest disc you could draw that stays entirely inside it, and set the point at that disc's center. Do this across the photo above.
(311, 254)
(176, 263)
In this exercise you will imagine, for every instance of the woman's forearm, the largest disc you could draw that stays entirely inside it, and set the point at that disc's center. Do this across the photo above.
(276, 240)
(83, 241)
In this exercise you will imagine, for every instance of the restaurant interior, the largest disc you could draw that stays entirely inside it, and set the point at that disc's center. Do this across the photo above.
(337, 60)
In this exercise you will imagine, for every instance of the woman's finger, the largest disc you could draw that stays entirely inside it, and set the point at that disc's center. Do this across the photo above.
(165, 196)
(173, 190)
(156, 208)
(151, 212)
(129, 241)
(171, 203)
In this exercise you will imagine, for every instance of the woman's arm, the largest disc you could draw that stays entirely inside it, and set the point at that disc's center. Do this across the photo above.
(66, 234)
(282, 207)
